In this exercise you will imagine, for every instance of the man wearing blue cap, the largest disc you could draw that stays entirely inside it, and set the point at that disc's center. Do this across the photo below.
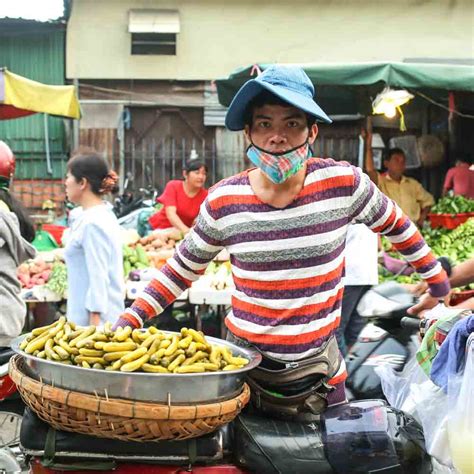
(284, 224)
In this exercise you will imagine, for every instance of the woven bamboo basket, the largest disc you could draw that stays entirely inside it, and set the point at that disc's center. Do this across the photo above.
(125, 420)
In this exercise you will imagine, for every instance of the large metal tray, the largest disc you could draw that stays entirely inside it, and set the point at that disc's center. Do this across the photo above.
(141, 386)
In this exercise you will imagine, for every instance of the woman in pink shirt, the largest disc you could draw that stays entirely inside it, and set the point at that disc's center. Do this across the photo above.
(460, 179)
(182, 199)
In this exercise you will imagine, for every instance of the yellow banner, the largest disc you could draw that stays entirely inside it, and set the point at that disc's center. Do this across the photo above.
(26, 94)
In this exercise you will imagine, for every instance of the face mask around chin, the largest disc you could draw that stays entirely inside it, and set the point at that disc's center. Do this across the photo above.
(279, 167)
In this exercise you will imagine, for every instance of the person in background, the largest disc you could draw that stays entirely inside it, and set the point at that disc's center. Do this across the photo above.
(182, 199)
(7, 200)
(284, 224)
(16, 233)
(460, 179)
(407, 192)
(361, 265)
(361, 273)
(93, 250)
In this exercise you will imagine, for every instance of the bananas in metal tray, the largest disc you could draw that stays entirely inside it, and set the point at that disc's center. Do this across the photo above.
(128, 350)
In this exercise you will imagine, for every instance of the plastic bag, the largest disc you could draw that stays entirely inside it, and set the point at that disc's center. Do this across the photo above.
(461, 414)
(414, 393)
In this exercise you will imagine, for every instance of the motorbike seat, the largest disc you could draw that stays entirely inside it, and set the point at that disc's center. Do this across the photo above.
(5, 354)
(75, 445)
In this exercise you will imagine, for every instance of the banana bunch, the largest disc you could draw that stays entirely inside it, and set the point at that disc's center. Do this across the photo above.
(125, 350)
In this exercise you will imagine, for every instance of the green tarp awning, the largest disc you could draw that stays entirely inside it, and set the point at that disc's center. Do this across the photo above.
(447, 77)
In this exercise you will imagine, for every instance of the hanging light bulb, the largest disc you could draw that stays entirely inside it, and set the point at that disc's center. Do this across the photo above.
(389, 101)
(389, 110)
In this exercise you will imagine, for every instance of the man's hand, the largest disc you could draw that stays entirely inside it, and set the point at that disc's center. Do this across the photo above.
(423, 216)
(126, 320)
(426, 302)
(420, 288)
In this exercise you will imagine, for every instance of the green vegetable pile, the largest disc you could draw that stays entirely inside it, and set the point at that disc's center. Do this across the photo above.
(456, 244)
(58, 279)
(453, 205)
(134, 259)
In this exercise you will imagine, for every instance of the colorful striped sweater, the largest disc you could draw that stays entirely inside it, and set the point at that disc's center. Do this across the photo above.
(287, 264)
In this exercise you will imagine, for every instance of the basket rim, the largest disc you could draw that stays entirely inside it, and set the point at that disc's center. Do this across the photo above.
(122, 407)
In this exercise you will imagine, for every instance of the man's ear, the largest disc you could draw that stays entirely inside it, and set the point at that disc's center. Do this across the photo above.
(313, 133)
(247, 134)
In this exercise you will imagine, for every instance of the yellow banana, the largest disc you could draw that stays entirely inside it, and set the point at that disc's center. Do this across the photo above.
(173, 347)
(112, 356)
(136, 354)
(91, 352)
(154, 369)
(181, 358)
(135, 365)
(84, 334)
(119, 346)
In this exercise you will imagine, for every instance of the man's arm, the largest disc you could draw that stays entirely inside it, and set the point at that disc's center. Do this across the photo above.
(425, 200)
(448, 181)
(462, 274)
(369, 158)
(423, 216)
(382, 215)
(192, 256)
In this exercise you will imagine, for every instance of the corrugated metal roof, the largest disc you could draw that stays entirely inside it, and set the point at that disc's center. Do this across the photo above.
(37, 55)
(214, 113)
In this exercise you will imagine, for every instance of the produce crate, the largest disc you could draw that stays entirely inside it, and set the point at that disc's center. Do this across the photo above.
(449, 221)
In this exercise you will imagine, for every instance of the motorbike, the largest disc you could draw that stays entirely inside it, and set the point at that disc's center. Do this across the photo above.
(390, 336)
(358, 437)
(387, 338)
(11, 414)
(128, 205)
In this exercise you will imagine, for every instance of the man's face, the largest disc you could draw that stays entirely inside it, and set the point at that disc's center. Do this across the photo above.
(277, 129)
(396, 165)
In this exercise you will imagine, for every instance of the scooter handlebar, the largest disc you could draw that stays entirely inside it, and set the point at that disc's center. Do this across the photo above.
(410, 323)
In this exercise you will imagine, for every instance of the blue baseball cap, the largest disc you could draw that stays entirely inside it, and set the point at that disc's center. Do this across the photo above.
(289, 83)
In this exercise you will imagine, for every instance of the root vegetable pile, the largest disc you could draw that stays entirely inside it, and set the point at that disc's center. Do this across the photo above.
(34, 272)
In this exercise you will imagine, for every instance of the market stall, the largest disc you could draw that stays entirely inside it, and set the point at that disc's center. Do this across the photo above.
(449, 234)
(44, 279)
(143, 257)
(419, 76)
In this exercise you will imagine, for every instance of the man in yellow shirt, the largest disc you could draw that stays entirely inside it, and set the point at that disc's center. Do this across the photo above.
(408, 193)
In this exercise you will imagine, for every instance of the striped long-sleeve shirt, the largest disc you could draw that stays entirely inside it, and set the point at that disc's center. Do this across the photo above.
(287, 264)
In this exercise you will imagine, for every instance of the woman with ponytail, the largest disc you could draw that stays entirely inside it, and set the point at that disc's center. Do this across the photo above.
(93, 251)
